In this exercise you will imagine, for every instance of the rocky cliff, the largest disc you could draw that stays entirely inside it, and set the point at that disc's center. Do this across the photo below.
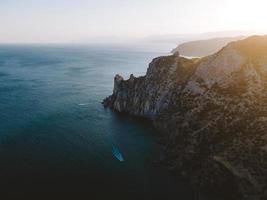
(212, 113)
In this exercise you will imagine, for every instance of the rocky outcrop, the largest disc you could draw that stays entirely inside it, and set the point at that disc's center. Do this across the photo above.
(212, 113)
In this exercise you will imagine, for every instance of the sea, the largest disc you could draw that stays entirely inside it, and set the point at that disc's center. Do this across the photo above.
(57, 141)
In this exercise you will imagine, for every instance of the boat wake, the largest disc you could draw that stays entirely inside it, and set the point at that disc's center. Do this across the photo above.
(116, 152)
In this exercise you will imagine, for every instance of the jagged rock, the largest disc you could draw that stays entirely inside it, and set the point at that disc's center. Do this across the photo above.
(212, 112)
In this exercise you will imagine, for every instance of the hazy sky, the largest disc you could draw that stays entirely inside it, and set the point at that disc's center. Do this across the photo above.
(70, 20)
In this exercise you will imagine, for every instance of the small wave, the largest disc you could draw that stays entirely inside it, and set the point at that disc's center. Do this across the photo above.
(82, 104)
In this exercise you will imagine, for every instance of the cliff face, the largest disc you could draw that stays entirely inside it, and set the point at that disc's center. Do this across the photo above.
(212, 112)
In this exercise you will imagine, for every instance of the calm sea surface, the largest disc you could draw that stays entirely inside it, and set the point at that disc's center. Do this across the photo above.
(56, 139)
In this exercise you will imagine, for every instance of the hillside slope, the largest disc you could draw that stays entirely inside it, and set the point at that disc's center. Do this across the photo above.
(202, 48)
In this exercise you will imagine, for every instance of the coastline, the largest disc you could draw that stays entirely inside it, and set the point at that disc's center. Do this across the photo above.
(199, 108)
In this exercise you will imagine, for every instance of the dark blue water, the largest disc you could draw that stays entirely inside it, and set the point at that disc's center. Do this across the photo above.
(56, 139)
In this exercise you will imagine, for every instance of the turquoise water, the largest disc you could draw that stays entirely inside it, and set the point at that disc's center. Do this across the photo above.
(56, 139)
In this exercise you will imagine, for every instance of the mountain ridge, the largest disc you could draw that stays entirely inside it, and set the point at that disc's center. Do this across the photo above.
(205, 47)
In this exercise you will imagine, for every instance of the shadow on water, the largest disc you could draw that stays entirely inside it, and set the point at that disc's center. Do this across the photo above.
(45, 161)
